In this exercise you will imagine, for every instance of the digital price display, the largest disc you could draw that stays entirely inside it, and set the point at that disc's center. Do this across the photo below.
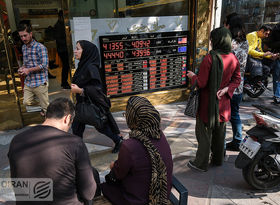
(144, 62)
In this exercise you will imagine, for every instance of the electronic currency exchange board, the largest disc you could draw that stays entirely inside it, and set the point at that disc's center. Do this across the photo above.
(139, 63)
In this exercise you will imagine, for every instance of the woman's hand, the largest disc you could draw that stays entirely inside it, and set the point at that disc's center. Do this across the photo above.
(76, 89)
(222, 92)
(190, 74)
(112, 165)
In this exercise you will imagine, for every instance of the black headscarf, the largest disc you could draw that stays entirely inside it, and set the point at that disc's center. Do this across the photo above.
(144, 121)
(221, 43)
(88, 67)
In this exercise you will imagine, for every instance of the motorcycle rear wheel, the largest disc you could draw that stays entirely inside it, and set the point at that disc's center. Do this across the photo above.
(258, 176)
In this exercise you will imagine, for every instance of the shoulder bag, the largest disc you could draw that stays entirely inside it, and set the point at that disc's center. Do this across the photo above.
(91, 114)
(192, 102)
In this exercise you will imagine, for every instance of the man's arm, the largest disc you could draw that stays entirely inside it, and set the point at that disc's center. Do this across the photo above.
(25, 71)
(43, 55)
(86, 185)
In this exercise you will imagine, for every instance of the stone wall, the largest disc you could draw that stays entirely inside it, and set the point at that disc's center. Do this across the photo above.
(203, 30)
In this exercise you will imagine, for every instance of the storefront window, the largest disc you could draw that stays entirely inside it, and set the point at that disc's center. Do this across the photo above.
(127, 8)
(143, 43)
(254, 12)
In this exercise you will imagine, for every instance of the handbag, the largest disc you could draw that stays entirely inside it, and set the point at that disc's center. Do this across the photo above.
(111, 178)
(192, 102)
(91, 114)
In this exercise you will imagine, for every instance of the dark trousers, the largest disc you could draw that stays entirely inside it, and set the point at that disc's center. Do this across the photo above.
(65, 67)
(209, 140)
(78, 128)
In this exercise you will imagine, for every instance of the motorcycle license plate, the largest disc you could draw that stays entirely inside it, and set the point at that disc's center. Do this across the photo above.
(249, 147)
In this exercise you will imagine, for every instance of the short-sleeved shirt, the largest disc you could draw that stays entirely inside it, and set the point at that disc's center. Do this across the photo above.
(35, 54)
(47, 152)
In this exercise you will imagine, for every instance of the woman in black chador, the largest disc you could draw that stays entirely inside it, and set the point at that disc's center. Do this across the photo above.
(87, 83)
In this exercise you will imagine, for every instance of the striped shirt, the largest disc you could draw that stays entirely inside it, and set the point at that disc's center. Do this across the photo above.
(35, 54)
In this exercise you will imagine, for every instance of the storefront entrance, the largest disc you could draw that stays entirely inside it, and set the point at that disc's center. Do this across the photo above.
(42, 15)
(154, 36)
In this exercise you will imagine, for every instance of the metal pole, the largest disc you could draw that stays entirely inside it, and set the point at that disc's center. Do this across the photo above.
(7, 49)
(116, 13)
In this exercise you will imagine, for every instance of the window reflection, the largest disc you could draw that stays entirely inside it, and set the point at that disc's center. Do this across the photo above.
(254, 12)
(128, 8)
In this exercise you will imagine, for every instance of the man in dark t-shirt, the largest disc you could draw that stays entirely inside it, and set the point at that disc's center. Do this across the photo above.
(48, 151)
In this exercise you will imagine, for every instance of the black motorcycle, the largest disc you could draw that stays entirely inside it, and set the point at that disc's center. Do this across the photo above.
(259, 156)
(255, 89)
(256, 76)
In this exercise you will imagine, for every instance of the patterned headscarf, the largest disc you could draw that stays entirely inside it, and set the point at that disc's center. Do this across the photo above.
(144, 121)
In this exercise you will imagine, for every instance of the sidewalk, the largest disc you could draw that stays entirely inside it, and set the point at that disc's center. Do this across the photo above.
(219, 186)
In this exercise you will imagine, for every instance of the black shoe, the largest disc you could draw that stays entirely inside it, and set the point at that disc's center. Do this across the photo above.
(117, 146)
(192, 166)
(51, 76)
(66, 86)
(276, 100)
(233, 146)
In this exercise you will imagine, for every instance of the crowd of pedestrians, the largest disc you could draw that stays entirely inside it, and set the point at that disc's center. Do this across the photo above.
(142, 172)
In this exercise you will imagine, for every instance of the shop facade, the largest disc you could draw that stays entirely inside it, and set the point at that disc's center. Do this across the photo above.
(146, 46)
(143, 44)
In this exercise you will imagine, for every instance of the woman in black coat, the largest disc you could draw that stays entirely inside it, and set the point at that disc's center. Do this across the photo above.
(87, 83)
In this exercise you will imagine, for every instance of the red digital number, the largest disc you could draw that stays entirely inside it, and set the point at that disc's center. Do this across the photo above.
(121, 54)
(120, 45)
(134, 53)
(113, 46)
(133, 43)
(141, 52)
(147, 43)
(113, 55)
(140, 44)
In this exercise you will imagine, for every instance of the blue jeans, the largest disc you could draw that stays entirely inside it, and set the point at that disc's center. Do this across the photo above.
(276, 78)
(235, 118)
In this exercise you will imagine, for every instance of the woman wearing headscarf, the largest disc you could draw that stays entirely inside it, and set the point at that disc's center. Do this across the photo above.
(87, 83)
(143, 171)
(218, 76)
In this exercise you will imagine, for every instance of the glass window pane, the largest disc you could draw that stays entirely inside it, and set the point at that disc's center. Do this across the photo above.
(254, 12)
(128, 8)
